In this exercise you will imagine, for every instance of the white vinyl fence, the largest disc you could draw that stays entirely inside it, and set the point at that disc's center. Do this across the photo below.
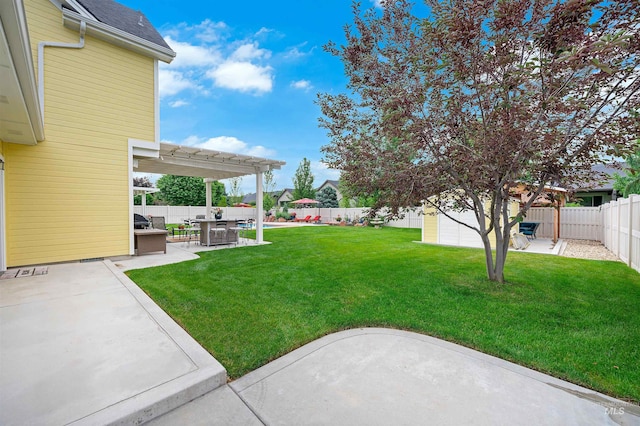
(412, 219)
(177, 214)
(622, 229)
(577, 223)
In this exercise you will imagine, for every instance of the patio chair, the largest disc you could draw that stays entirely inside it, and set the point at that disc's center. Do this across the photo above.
(529, 229)
(306, 219)
(157, 222)
(233, 230)
(218, 233)
(315, 219)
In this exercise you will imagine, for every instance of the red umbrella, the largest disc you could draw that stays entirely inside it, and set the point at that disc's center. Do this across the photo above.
(305, 201)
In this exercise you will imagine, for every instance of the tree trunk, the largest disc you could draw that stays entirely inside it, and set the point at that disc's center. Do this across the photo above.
(492, 272)
(495, 267)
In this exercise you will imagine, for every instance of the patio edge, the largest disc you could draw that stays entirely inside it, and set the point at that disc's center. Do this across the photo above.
(208, 375)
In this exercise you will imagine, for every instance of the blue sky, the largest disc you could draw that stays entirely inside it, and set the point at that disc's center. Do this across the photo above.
(246, 76)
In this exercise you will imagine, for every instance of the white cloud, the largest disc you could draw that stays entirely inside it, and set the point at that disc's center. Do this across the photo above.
(229, 144)
(377, 3)
(301, 84)
(249, 51)
(322, 172)
(179, 103)
(209, 31)
(189, 55)
(296, 52)
(171, 82)
(243, 76)
(236, 65)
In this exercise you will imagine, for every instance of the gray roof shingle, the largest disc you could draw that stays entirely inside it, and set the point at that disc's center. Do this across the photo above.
(606, 184)
(123, 18)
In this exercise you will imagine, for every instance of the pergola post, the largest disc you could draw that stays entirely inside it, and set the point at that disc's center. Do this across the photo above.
(259, 207)
(143, 203)
(207, 183)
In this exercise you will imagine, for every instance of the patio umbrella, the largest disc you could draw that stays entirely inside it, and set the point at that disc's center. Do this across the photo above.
(305, 201)
(301, 202)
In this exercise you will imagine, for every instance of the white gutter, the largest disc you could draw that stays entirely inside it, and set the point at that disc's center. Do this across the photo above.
(118, 37)
(41, 46)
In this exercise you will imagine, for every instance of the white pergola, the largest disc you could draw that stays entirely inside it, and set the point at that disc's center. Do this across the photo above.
(210, 165)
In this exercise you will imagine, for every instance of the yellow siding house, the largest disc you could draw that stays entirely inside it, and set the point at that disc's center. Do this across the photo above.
(78, 102)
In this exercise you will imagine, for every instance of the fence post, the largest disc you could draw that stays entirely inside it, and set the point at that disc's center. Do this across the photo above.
(630, 227)
(619, 230)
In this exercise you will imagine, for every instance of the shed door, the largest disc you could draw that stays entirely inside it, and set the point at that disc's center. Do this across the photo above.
(452, 233)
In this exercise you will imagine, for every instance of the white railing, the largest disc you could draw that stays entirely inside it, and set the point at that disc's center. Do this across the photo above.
(621, 220)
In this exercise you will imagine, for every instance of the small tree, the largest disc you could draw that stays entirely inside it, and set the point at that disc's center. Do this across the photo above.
(460, 107)
(235, 191)
(629, 183)
(217, 193)
(182, 190)
(303, 181)
(328, 198)
(269, 186)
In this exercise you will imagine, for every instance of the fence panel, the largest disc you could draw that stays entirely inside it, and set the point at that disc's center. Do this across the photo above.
(634, 220)
(622, 229)
(543, 215)
(613, 226)
(178, 214)
(606, 224)
(412, 219)
(581, 223)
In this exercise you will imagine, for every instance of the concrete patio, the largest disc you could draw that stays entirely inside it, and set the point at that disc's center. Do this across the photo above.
(83, 345)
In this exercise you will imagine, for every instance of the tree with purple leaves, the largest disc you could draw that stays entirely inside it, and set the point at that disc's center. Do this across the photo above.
(458, 108)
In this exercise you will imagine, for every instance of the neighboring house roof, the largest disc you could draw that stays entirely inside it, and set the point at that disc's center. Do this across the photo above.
(251, 198)
(606, 169)
(123, 18)
(333, 183)
(286, 192)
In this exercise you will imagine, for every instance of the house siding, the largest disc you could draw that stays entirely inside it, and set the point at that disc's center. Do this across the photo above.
(442, 230)
(68, 197)
(429, 225)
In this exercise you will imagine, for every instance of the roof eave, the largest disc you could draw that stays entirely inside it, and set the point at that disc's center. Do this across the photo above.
(118, 37)
(14, 27)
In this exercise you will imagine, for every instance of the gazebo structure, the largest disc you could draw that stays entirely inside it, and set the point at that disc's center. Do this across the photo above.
(208, 164)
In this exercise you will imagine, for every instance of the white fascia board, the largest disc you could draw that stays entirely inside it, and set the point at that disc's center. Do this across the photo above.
(118, 37)
(14, 22)
(140, 148)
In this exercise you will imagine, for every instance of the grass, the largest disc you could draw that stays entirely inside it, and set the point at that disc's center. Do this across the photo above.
(574, 319)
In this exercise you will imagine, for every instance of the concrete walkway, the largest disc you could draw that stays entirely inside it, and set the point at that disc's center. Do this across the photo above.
(378, 376)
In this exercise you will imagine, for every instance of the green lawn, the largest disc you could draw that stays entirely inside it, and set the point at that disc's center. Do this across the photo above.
(578, 320)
